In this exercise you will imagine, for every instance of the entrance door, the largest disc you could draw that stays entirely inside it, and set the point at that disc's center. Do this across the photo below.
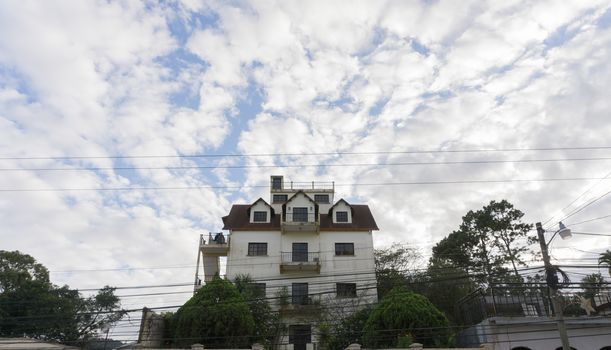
(300, 335)
(300, 252)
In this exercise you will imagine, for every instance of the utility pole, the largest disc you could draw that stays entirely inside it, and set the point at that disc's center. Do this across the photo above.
(550, 275)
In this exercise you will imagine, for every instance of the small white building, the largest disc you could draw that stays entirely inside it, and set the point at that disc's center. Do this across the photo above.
(308, 251)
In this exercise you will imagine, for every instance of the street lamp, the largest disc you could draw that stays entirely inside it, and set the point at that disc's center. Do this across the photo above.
(552, 279)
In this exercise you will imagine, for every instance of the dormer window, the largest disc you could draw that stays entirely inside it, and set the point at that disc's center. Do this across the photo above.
(259, 216)
(341, 216)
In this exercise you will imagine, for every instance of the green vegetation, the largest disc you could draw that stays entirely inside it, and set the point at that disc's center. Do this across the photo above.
(486, 242)
(402, 313)
(31, 305)
(217, 316)
(605, 259)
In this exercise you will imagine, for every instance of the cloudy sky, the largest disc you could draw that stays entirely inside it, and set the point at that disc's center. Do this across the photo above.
(141, 96)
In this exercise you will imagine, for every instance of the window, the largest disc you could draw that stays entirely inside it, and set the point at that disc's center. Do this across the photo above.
(276, 183)
(300, 252)
(341, 216)
(344, 248)
(255, 249)
(300, 214)
(346, 290)
(259, 216)
(300, 335)
(321, 198)
(280, 198)
(300, 294)
(258, 289)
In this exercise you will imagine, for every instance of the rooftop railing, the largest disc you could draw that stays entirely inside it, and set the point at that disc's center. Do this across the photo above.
(520, 300)
(311, 185)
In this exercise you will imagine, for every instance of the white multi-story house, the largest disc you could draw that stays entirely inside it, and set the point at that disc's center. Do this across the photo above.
(312, 254)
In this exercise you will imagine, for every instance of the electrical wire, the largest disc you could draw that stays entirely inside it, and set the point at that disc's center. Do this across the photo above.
(336, 153)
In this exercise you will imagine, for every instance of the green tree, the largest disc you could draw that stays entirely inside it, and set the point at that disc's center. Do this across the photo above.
(486, 242)
(31, 305)
(395, 266)
(605, 258)
(268, 323)
(404, 313)
(17, 268)
(217, 316)
(592, 285)
(341, 333)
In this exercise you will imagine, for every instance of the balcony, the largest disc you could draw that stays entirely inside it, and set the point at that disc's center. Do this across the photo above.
(298, 261)
(217, 244)
(301, 305)
(300, 222)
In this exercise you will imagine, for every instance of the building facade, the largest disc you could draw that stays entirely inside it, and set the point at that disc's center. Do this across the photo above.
(313, 255)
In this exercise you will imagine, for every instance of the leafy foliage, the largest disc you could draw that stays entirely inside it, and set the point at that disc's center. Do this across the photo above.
(17, 268)
(401, 313)
(593, 283)
(605, 258)
(217, 316)
(348, 330)
(394, 266)
(268, 325)
(31, 305)
(486, 242)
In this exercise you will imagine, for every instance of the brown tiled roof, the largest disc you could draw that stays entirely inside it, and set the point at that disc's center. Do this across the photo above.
(238, 219)
(362, 219)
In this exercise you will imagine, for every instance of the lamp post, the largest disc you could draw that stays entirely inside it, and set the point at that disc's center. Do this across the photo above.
(552, 279)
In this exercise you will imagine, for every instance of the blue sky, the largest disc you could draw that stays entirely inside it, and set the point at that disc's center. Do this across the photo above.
(124, 79)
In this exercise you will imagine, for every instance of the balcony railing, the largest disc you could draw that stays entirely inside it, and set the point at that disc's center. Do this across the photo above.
(300, 261)
(300, 221)
(526, 301)
(311, 185)
(216, 244)
(299, 257)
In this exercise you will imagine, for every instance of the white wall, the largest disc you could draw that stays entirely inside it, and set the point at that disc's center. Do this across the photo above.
(260, 206)
(359, 269)
(300, 201)
(341, 206)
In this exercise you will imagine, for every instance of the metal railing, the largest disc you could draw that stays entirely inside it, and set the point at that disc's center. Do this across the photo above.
(217, 238)
(309, 257)
(294, 217)
(311, 185)
(520, 300)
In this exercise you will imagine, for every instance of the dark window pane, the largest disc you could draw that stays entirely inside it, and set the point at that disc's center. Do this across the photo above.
(346, 290)
(258, 289)
(280, 198)
(300, 214)
(300, 335)
(300, 252)
(300, 293)
(276, 183)
(341, 216)
(260, 216)
(321, 198)
(344, 248)
(257, 249)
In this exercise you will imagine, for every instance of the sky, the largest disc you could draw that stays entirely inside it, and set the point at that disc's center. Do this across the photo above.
(144, 96)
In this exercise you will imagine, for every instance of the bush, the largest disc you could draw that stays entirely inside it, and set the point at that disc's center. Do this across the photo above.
(403, 312)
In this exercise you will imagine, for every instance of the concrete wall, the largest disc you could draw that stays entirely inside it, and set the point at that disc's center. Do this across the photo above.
(537, 333)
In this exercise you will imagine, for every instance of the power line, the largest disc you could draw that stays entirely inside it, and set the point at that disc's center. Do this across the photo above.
(339, 153)
(448, 182)
(195, 167)
(578, 197)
